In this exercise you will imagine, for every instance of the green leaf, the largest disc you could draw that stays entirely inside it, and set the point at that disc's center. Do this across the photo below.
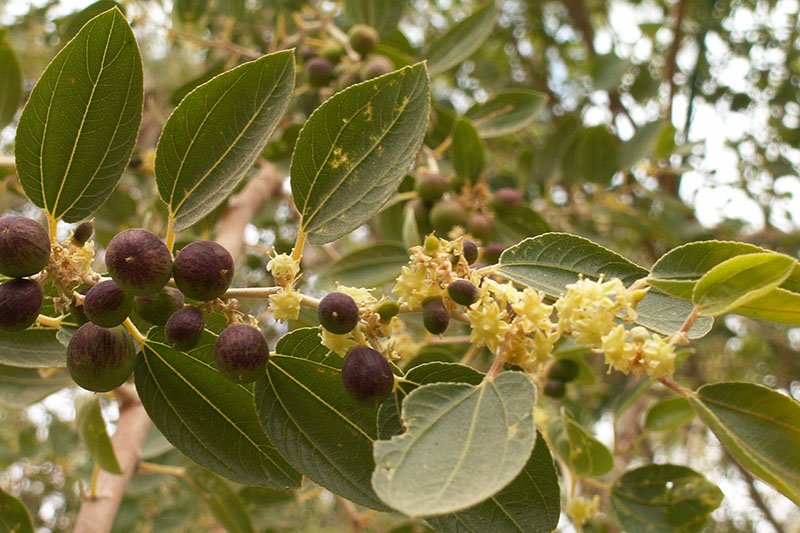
(313, 421)
(10, 81)
(467, 151)
(78, 129)
(410, 230)
(180, 93)
(669, 414)
(529, 504)
(489, 432)
(739, 280)
(14, 516)
(513, 224)
(584, 454)
(758, 427)
(506, 112)
(76, 21)
(552, 261)
(216, 133)
(550, 157)
(32, 348)
(629, 396)
(607, 71)
(663, 498)
(225, 504)
(21, 387)
(92, 432)
(778, 305)
(207, 417)
(641, 144)
(461, 40)
(592, 156)
(355, 149)
(383, 16)
(370, 266)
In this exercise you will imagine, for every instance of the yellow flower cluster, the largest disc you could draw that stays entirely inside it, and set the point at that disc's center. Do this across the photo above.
(582, 509)
(428, 272)
(283, 268)
(285, 304)
(639, 351)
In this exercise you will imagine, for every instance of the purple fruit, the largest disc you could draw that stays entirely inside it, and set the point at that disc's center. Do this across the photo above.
(376, 65)
(203, 270)
(24, 247)
(480, 225)
(241, 353)
(320, 71)
(100, 359)
(507, 197)
(138, 261)
(491, 253)
(338, 313)
(156, 308)
(463, 292)
(184, 328)
(20, 302)
(470, 252)
(435, 317)
(83, 232)
(367, 375)
(107, 305)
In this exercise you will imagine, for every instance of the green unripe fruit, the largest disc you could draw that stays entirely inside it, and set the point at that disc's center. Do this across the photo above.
(100, 359)
(338, 313)
(333, 52)
(555, 388)
(184, 328)
(421, 215)
(367, 375)
(203, 270)
(564, 370)
(156, 308)
(20, 302)
(363, 39)
(431, 186)
(480, 226)
(107, 305)
(431, 245)
(83, 232)
(241, 353)
(24, 247)
(388, 310)
(470, 252)
(138, 261)
(319, 71)
(376, 65)
(435, 317)
(447, 214)
(463, 292)
(491, 253)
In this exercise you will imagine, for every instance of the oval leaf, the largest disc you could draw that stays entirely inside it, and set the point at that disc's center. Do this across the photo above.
(355, 149)
(552, 261)
(383, 16)
(467, 151)
(669, 414)
(216, 133)
(584, 454)
(513, 224)
(32, 348)
(506, 112)
(739, 280)
(10, 81)
(462, 39)
(641, 144)
(663, 498)
(207, 417)
(21, 387)
(225, 504)
(489, 432)
(14, 516)
(757, 426)
(313, 421)
(778, 305)
(77, 131)
(370, 266)
(92, 432)
(593, 156)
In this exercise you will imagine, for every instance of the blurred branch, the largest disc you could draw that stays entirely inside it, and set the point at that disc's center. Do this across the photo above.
(672, 54)
(7, 161)
(756, 496)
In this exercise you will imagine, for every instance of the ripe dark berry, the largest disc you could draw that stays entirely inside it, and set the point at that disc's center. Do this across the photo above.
(480, 226)
(24, 247)
(435, 317)
(463, 292)
(507, 197)
(431, 186)
(184, 328)
(83, 232)
(107, 305)
(338, 313)
(387, 310)
(363, 39)
(241, 353)
(20, 302)
(320, 71)
(470, 252)
(100, 359)
(203, 270)
(564, 370)
(491, 253)
(138, 261)
(156, 308)
(367, 375)
(555, 388)
(376, 65)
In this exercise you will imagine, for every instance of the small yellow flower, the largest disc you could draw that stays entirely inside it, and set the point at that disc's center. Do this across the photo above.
(658, 357)
(360, 295)
(582, 509)
(532, 311)
(285, 304)
(336, 343)
(283, 268)
(488, 323)
(618, 353)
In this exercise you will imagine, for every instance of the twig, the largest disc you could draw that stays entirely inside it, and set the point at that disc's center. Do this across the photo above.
(756, 497)
(672, 54)
(225, 45)
(351, 512)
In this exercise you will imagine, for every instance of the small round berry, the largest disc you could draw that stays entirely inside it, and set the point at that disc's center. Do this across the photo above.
(20, 302)
(156, 308)
(491, 253)
(185, 328)
(320, 72)
(470, 252)
(463, 292)
(241, 353)
(388, 310)
(107, 305)
(431, 186)
(24, 247)
(363, 39)
(338, 313)
(479, 225)
(555, 388)
(333, 52)
(507, 197)
(367, 375)
(203, 270)
(447, 214)
(435, 317)
(564, 370)
(138, 261)
(100, 359)
(376, 65)
(83, 232)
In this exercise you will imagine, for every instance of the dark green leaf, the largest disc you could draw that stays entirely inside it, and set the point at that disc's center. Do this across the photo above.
(381, 15)
(10, 81)
(663, 498)
(21, 387)
(593, 156)
(14, 517)
(370, 266)
(77, 20)
(216, 133)
(92, 432)
(607, 71)
(355, 149)
(669, 414)
(506, 112)
(32, 348)
(311, 419)
(584, 454)
(225, 504)
(467, 151)
(758, 427)
(513, 224)
(641, 144)
(77, 131)
(207, 417)
(461, 40)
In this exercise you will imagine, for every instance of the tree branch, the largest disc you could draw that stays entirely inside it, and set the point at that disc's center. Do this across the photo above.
(756, 497)
(672, 54)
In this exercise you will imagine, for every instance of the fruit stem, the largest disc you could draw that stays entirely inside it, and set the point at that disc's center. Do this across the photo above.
(299, 244)
(171, 232)
(134, 331)
(683, 391)
(52, 224)
(50, 321)
(93, 485)
(596, 484)
(154, 468)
